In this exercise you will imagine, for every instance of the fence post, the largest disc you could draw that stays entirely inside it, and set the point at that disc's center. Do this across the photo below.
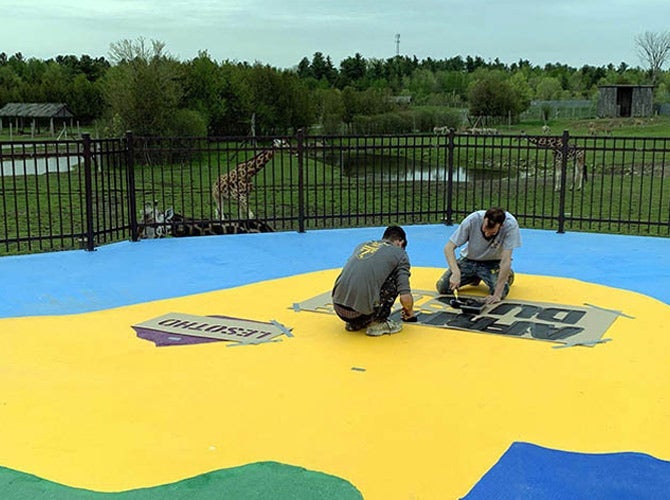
(564, 169)
(300, 138)
(449, 217)
(130, 185)
(88, 192)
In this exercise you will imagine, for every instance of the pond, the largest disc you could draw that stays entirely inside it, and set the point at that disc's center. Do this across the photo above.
(401, 169)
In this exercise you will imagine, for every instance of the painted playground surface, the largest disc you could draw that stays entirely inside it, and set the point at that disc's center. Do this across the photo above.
(89, 409)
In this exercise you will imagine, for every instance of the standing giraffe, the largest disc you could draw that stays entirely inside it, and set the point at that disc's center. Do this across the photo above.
(238, 182)
(575, 154)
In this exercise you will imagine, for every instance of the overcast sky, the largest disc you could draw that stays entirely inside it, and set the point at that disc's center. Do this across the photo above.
(281, 32)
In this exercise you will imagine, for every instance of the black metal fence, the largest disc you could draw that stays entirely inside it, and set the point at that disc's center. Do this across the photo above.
(83, 193)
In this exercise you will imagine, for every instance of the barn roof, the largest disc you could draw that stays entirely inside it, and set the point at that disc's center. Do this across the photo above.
(35, 110)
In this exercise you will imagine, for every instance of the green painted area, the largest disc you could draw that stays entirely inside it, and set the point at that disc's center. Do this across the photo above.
(261, 480)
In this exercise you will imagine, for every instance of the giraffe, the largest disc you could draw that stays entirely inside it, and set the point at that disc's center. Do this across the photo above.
(238, 182)
(575, 154)
(152, 223)
(187, 226)
(156, 223)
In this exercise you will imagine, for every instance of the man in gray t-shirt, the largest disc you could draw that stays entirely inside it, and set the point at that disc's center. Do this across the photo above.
(374, 276)
(490, 237)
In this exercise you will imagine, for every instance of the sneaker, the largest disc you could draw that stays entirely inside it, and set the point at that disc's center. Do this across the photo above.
(383, 327)
(351, 328)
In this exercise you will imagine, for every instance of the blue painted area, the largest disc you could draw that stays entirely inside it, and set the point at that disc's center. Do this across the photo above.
(527, 471)
(129, 273)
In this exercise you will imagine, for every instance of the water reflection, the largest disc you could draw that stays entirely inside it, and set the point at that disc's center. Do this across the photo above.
(441, 174)
(39, 165)
(437, 174)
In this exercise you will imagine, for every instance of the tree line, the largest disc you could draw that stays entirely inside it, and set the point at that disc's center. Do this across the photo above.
(141, 87)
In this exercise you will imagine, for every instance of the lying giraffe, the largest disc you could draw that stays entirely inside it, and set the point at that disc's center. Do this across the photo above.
(155, 223)
(574, 154)
(186, 226)
(237, 183)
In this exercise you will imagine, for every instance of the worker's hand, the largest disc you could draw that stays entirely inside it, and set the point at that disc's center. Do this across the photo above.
(492, 299)
(408, 315)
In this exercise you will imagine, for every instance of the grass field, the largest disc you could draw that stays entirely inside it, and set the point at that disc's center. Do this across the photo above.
(655, 126)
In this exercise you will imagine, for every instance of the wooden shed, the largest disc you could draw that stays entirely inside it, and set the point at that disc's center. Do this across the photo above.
(36, 114)
(625, 100)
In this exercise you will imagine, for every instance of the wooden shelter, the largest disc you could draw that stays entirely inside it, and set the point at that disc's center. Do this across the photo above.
(37, 114)
(625, 100)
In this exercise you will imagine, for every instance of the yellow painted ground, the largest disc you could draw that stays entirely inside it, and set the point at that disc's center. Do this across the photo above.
(85, 403)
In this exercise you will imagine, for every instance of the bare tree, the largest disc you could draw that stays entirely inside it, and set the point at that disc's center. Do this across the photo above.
(129, 50)
(654, 49)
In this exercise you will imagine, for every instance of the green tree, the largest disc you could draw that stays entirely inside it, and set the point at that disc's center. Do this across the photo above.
(295, 107)
(304, 69)
(264, 86)
(548, 89)
(370, 102)
(85, 98)
(55, 83)
(332, 107)
(10, 84)
(323, 69)
(452, 82)
(578, 85)
(350, 105)
(352, 71)
(204, 91)
(422, 84)
(237, 98)
(143, 88)
(519, 82)
(592, 75)
(94, 69)
(31, 72)
(377, 72)
(493, 95)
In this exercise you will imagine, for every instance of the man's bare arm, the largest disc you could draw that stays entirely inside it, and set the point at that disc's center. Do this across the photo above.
(503, 275)
(450, 255)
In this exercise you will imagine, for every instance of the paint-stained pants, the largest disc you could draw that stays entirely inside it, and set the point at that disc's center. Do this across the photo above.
(382, 310)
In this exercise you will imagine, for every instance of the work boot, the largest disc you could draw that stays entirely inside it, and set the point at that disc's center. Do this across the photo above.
(380, 328)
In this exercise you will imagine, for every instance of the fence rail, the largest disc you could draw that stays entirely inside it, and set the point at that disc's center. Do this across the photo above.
(84, 193)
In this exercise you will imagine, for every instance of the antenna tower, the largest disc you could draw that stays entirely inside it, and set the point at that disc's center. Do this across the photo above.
(397, 44)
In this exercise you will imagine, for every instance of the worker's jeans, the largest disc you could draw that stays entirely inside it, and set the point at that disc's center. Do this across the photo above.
(472, 271)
